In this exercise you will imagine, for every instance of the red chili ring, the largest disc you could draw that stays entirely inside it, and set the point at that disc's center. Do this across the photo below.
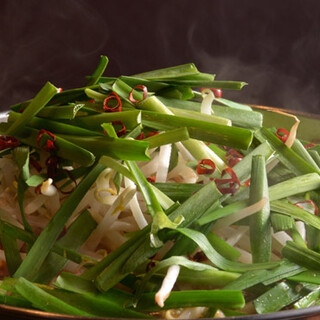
(110, 97)
(282, 134)
(145, 93)
(203, 170)
(50, 144)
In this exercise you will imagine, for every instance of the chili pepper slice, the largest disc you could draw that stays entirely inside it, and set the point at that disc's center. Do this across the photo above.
(112, 97)
(138, 87)
(202, 167)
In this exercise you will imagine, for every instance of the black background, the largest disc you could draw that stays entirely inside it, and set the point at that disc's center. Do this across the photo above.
(272, 45)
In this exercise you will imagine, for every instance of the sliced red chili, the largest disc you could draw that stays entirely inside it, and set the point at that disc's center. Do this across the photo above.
(49, 144)
(140, 136)
(247, 183)
(8, 142)
(233, 157)
(202, 167)
(282, 134)
(123, 129)
(316, 210)
(151, 179)
(59, 90)
(309, 145)
(111, 98)
(234, 183)
(138, 87)
(152, 133)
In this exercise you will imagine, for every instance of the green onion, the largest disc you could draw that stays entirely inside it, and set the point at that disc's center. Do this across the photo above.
(260, 226)
(39, 102)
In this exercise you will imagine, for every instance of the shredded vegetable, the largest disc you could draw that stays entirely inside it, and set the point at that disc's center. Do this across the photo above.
(144, 197)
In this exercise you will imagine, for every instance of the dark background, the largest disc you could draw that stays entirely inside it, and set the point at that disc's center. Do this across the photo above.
(272, 45)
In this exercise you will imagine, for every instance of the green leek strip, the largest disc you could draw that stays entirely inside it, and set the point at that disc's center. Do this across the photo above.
(218, 151)
(99, 71)
(17, 233)
(195, 82)
(190, 209)
(37, 103)
(205, 278)
(218, 259)
(195, 77)
(93, 122)
(65, 149)
(239, 117)
(152, 86)
(14, 301)
(220, 213)
(284, 207)
(315, 156)
(11, 251)
(44, 301)
(168, 137)
(183, 92)
(260, 226)
(280, 296)
(254, 277)
(200, 116)
(76, 235)
(96, 95)
(300, 150)
(40, 249)
(194, 298)
(74, 283)
(164, 264)
(232, 104)
(117, 166)
(223, 247)
(53, 126)
(178, 191)
(216, 133)
(76, 94)
(281, 222)
(308, 276)
(168, 73)
(107, 305)
(123, 149)
(124, 90)
(308, 300)
(300, 184)
(21, 156)
(159, 218)
(279, 173)
(286, 155)
(301, 255)
(67, 112)
(63, 97)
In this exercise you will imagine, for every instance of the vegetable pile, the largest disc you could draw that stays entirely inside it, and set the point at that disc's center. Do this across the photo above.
(154, 196)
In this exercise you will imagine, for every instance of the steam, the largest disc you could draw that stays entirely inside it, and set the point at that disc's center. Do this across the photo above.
(47, 37)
